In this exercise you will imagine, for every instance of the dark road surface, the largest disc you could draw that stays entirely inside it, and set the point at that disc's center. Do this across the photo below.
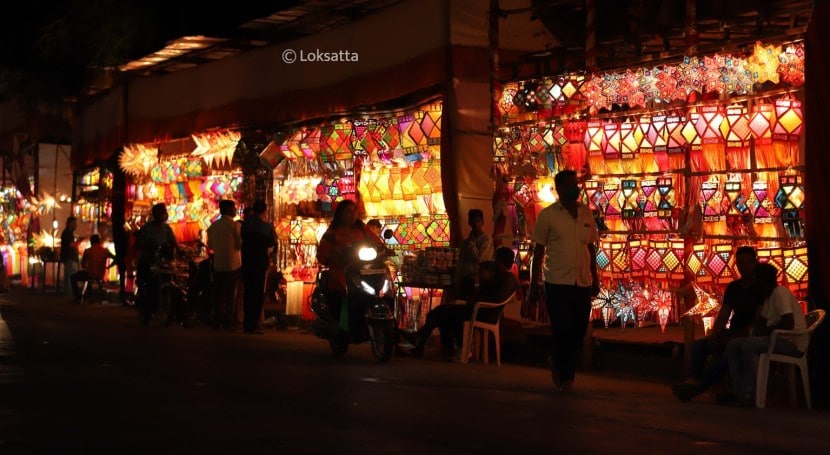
(89, 379)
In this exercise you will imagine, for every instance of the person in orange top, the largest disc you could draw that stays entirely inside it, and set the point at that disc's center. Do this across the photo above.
(93, 265)
(345, 229)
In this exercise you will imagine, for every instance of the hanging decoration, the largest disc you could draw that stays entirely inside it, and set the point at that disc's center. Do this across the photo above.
(137, 159)
(216, 148)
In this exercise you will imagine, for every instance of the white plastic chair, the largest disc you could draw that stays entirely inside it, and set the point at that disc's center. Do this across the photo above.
(476, 329)
(801, 339)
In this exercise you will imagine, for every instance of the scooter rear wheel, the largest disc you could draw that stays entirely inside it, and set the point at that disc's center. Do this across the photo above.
(382, 340)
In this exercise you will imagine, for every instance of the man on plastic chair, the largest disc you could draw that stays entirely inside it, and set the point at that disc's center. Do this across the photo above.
(93, 265)
(781, 310)
(496, 283)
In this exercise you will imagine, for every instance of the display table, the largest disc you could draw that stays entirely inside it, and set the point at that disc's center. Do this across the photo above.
(412, 311)
(40, 270)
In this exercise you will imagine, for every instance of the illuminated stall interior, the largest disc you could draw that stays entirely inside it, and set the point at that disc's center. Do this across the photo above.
(16, 214)
(389, 163)
(681, 163)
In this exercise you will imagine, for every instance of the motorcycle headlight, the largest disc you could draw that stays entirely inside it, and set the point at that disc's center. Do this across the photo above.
(366, 288)
(367, 253)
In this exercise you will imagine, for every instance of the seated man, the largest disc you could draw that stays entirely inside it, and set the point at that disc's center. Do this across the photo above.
(741, 301)
(496, 283)
(781, 310)
(93, 265)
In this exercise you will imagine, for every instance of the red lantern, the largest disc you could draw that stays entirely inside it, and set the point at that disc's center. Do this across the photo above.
(613, 141)
(735, 127)
(709, 123)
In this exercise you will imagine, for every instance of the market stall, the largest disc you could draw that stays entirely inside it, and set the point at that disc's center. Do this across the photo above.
(389, 163)
(190, 180)
(681, 163)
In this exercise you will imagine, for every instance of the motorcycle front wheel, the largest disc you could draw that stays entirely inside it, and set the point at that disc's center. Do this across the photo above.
(382, 339)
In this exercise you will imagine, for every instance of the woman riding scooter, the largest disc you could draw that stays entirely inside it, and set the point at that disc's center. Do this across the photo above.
(345, 230)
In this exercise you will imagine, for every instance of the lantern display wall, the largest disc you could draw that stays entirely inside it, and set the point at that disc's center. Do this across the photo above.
(93, 197)
(390, 164)
(191, 184)
(675, 185)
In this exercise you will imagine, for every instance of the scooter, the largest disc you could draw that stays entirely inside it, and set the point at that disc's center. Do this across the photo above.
(369, 305)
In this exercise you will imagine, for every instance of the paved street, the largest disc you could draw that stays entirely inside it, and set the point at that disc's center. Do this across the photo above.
(88, 379)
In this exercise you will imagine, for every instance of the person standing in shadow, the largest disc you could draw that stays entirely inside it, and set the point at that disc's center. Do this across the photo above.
(225, 240)
(259, 241)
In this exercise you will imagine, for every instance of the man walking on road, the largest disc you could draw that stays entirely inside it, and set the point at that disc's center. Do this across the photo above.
(566, 231)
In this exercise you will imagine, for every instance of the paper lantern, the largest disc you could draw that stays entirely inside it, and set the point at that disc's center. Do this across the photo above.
(676, 143)
(690, 132)
(667, 201)
(335, 142)
(648, 133)
(628, 199)
(507, 109)
(137, 159)
(795, 267)
(595, 195)
(790, 193)
(710, 200)
(648, 198)
(772, 255)
(554, 135)
(732, 192)
(612, 208)
(760, 205)
(696, 263)
(617, 254)
(763, 63)
(594, 138)
(631, 136)
(789, 120)
(613, 140)
(735, 126)
(658, 124)
(721, 264)
(760, 123)
(709, 123)
(637, 252)
(658, 249)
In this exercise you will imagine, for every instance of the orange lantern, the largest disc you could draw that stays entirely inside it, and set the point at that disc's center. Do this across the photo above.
(631, 136)
(676, 143)
(795, 268)
(760, 123)
(790, 120)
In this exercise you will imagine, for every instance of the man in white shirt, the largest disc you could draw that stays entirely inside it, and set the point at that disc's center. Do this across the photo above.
(566, 231)
(225, 240)
(780, 310)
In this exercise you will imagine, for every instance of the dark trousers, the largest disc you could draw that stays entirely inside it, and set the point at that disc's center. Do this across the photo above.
(253, 280)
(569, 308)
(449, 319)
(77, 277)
(224, 292)
(148, 292)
